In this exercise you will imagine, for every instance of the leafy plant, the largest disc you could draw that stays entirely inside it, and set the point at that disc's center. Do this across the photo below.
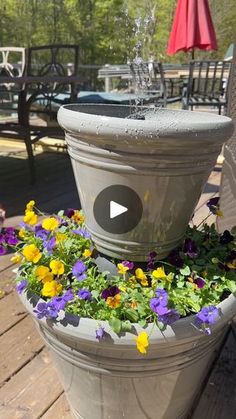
(57, 262)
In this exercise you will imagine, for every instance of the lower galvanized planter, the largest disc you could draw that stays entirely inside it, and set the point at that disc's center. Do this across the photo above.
(165, 159)
(111, 380)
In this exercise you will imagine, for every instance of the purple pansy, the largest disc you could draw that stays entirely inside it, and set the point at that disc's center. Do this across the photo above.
(79, 270)
(190, 248)
(226, 237)
(21, 286)
(199, 282)
(9, 236)
(151, 260)
(213, 204)
(57, 303)
(40, 233)
(128, 264)
(159, 303)
(175, 259)
(110, 292)
(49, 244)
(208, 315)
(85, 295)
(47, 310)
(100, 332)
(69, 212)
(82, 232)
(68, 296)
(169, 317)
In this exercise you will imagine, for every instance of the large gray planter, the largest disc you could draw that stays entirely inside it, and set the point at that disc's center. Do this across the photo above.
(111, 380)
(166, 159)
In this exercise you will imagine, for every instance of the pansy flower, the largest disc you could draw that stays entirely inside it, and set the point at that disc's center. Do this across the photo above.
(213, 205)
(100, 333)
(31, 253)
(79, 270)
(57, 267)
(21, 286)
(142, 342)
(30, 218)
(51, 289)
(85, 294)
(113, 302)
(159, 303)
(175, 259)
(206, 317)
(190, 248)
(110, 292)
(124, 267)
(50, 224)
(141, 276)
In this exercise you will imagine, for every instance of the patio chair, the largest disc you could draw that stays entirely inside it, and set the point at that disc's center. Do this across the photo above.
(148, 79)
(207, 85)
(228, 178)
(12, 65)
(41, 99)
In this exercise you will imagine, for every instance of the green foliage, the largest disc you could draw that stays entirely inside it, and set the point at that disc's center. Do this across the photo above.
(106, 29)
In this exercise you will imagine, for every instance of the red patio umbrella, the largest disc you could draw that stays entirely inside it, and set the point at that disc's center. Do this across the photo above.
(192, 27)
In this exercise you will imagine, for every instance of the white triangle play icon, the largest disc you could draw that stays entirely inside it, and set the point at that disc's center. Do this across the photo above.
(116, 209)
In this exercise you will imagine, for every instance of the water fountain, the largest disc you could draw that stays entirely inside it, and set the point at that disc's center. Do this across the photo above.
(165, 157)
(139, 172)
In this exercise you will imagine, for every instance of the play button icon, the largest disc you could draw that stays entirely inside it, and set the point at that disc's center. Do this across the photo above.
(118, 209)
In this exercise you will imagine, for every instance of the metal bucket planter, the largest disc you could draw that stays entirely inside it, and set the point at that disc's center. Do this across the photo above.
(110, 379)
(165, 159)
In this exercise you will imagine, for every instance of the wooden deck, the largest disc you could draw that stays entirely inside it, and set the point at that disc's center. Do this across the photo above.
(29, 386)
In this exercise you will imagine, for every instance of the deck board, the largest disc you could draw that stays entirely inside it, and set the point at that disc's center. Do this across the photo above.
(23, 336)
(218, 401)
(31, 391)
(12, 311)
(31, 388)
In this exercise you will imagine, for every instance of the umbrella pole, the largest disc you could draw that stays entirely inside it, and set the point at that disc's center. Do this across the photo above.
(192, 54)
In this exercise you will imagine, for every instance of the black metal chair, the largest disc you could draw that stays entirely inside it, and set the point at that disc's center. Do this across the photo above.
(42, 99)
(207, 85)
(148, 79)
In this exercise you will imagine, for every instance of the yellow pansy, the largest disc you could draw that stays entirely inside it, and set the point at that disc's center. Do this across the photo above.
(50, 223)
(87, 253)
(43, 274)
(122, 269)
(31, 253)
(113, 302)
(30, 206)
(57, 267)
(60, 237)
(159, 273)
(30, 218)
(141, 276)
(78, 217)
(219, 213)
(51, 289)
(22, 233)
(16, 258)
(142, 342)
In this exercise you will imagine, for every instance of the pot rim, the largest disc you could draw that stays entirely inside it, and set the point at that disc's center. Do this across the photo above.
(170, 123)
(84, 328)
